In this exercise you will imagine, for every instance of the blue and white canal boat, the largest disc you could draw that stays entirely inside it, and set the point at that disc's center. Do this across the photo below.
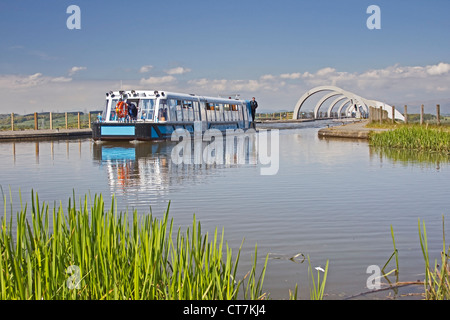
(155, 115)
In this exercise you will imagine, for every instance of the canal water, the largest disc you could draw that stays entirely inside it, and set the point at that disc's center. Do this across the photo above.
(330, 199)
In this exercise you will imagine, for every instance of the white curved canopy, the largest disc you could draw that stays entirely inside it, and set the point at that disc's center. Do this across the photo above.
(354, 101)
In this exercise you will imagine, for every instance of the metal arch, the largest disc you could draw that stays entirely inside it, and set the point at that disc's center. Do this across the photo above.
(333, 104)
(342, 106)
(354, 99)
(311, 92)
(348, 109)
(321, 101)
(359, 101)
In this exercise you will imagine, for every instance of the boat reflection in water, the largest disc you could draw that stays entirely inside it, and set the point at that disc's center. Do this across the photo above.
(150, 169)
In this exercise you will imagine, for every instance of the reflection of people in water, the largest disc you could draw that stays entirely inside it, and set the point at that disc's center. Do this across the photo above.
(123, 172)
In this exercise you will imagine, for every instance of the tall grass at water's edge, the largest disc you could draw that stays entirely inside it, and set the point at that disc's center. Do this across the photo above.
(93, 253)
(437, 276)
(437, 281)
(413, 137)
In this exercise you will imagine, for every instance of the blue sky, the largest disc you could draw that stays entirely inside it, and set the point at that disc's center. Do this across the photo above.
(274, 50)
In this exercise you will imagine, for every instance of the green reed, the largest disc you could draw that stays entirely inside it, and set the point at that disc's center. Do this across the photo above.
(414, 138)
(90, 252)
(317, 289)
(437, 276)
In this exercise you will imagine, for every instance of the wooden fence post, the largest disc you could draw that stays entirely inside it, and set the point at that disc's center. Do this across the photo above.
(12, 121)
(438, 114)
(381, 114)
(406, 114)
(78, 120)
(393, 114)
(89, 119)
(421, 114)
(36, 125)
(66, 121)
(51, 121)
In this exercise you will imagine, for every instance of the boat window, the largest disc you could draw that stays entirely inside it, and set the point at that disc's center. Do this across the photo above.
(188, 110)
(227, 111)
(219, 111)
(235, 111)
(163, 114)
(239, 114)
(210, 111)
(232, 113)
(105, 111)
(179, 111)
(112, 114)
(196, 111)
(203, 111)
(245, 112)
(146, 110)
(172, 103)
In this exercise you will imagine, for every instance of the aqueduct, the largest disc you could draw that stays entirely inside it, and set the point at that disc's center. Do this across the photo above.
(344, 100)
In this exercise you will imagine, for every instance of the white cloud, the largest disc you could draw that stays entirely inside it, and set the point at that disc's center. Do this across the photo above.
(145, 69)
(28, 81)
(178, 70)
(292, 76)
(61, 79)
(325, 71)
(438, 69)
(267, 77)
(224, 86)
(157, 80)
(74, 70)
(10, 81)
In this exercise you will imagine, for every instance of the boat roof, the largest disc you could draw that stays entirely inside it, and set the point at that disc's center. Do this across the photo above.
(156, 93)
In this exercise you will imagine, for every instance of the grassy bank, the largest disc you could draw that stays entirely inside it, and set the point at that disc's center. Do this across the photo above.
(413, 137)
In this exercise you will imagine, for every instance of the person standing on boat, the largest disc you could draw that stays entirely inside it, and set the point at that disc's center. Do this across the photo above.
(132, 111)
(253, 106)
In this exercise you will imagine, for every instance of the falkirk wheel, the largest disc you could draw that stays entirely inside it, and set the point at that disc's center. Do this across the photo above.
(342, 100)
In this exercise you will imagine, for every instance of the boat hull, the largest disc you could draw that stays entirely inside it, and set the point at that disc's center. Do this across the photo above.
(145, 131)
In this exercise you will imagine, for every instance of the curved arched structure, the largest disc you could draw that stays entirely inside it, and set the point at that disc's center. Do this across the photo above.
(355, 103)
(334, 103)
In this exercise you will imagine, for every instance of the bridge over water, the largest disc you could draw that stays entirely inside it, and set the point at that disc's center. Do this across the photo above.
(343, 103)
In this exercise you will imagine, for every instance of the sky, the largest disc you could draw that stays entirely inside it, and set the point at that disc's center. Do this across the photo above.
(273, 50)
